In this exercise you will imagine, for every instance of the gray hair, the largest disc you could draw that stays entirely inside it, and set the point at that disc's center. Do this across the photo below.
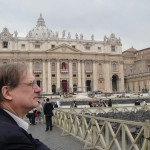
(11, 74)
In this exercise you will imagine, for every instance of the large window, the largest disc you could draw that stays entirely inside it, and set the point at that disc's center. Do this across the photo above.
(88, 66)
(87, 47)
(53, 66)
(74, 67)
(52, 46)
(23, 46)
(5, 44)
(37, 46)
(114, 67)
(37, 66)
(99, 48)
(73, 46)
(113, 49)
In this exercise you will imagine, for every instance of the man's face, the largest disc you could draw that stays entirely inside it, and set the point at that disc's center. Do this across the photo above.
(25, 95)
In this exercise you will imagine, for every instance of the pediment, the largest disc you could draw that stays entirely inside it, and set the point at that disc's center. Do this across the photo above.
(64, 48)
(5, 35)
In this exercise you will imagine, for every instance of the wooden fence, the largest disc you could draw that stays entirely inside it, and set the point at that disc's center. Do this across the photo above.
(104, 133)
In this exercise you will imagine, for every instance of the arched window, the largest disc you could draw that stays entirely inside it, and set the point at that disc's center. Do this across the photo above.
(53, 66)
(63, 67)
(74, 67)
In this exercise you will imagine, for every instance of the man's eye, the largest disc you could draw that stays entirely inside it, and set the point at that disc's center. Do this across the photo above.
(30, 84)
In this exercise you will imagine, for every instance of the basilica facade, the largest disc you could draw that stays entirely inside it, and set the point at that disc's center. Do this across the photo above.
(137, 70)
(62, 62)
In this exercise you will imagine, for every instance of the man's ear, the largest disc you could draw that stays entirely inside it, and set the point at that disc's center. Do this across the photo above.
(6, 92)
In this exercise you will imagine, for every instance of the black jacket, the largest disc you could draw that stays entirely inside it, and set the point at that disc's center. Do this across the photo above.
(48, 109)
(13, 137)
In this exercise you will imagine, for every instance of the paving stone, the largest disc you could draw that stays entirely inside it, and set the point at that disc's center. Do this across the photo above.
(54, 140)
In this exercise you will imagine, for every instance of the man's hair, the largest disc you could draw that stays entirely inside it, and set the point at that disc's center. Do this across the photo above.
(11, 74)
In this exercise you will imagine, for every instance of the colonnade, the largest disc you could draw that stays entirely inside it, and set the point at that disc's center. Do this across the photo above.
(80, 78)
(138, 85)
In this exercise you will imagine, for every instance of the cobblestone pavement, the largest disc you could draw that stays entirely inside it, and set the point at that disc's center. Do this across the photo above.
(54, 140)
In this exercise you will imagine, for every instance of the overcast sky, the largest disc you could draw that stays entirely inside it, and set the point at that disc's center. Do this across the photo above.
(127, 19)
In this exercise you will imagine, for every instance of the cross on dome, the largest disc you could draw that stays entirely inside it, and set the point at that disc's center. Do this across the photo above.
(40, 21)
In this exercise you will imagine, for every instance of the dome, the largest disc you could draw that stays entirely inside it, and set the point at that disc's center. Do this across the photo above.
(40, 31)
(131, 49)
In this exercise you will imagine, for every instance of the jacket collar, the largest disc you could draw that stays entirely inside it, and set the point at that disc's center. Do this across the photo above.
(4, 116)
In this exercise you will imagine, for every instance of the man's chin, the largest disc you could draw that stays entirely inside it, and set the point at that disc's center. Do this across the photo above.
(36, 104)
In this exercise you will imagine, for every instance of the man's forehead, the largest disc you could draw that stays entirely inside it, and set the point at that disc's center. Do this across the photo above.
(29, 77)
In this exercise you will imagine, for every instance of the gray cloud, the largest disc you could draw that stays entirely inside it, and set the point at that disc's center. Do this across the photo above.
(128, 19)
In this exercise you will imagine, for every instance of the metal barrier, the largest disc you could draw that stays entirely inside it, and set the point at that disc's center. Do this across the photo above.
(103, 133)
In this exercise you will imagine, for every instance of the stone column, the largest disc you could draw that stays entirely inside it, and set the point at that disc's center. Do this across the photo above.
(95, 81)
(79, 76)
(142, 86)
(136, 87)
(107, 77)
(148, 85)
(70, 76)
(121, 82)
(16, 45)
(132, 83)
(31, 65)
(131, 86)
(44, 77)
(30, 45)
(83, 77)
(58, 75)
(49, 77)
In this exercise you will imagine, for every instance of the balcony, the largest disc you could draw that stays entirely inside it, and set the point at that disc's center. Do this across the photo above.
(88, 71)
(64, 70)
(37, 71)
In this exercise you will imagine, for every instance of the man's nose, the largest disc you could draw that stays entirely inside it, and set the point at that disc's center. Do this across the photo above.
(37, 88)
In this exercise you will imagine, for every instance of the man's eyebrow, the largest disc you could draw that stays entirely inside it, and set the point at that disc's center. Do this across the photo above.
(31, 81)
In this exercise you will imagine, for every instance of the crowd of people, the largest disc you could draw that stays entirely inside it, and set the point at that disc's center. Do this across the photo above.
(140, 102)
(42, 114)
(36, 115)
(101, 103)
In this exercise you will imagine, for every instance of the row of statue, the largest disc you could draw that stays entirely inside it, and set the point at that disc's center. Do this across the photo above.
(50, 34)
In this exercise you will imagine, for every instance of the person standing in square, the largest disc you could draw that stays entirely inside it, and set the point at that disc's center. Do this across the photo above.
(48, 112)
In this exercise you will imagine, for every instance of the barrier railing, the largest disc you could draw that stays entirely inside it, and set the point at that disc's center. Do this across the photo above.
(95, 110)
(103, 133)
